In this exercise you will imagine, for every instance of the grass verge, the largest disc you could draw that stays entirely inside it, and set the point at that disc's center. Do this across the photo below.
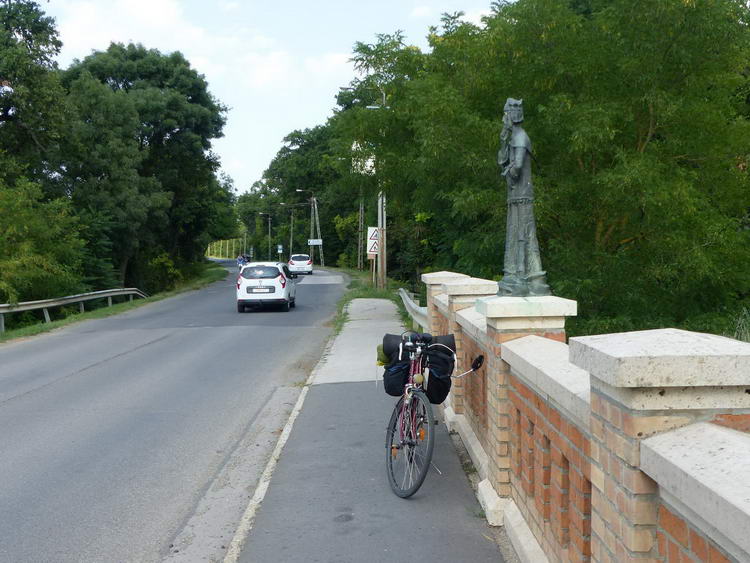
(213, 272)
(361, 287)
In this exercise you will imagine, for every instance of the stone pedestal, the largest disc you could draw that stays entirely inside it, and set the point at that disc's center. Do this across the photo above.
(509, 318)
(434, 282)
(544, 316)
(458, 295)
(645, 383)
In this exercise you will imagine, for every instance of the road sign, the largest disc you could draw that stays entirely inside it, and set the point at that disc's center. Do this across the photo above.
(372, 244)
(315, 242)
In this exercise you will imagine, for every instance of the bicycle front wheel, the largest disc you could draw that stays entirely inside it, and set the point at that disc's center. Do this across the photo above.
(410, 439)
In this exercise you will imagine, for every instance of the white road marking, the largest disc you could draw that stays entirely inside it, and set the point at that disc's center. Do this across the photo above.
(320, 280)
(248, 518)
(246, 522)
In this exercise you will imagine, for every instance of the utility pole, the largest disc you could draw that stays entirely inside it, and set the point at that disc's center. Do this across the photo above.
(381, 258)
(312, 229)
(269, 233)
(314, 220)
(320, 234)
(291, 232)
(360, 235)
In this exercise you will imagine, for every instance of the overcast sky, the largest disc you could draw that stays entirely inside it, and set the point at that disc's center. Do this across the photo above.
(277, 64)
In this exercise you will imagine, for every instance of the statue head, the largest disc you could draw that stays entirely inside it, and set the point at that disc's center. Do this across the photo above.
(513, 110)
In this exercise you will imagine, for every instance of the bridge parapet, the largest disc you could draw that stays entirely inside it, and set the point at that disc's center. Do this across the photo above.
(581, 449)
(672, 384)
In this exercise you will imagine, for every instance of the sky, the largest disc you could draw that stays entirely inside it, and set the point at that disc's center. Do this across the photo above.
(277, 64)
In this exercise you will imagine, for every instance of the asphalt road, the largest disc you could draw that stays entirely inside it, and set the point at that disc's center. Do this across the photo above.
(117, 435)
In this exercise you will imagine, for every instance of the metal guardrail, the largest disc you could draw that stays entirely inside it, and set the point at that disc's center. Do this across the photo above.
(417, 313)
(45, 304)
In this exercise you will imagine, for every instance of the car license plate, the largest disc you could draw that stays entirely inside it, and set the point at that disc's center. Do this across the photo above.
(260, 289)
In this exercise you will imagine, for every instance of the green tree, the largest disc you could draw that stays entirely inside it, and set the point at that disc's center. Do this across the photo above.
(31, 98)
(40, 250)
(101, 158)
(178, 118)
(638, 114)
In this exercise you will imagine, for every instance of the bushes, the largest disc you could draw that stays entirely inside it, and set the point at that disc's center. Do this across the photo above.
(41, 251)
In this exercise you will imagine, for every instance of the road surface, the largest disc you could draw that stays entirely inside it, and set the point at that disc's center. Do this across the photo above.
(139, 437)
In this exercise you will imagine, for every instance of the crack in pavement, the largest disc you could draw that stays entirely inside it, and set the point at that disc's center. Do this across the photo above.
(86, 368)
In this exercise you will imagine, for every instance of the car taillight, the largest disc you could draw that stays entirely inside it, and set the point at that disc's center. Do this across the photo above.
(282, 279)
(309, 262)
(239, 280)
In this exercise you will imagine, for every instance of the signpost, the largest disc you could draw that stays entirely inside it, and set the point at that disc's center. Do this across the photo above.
(373, 242)
(280, 249)
(315, 242)
(372, 246)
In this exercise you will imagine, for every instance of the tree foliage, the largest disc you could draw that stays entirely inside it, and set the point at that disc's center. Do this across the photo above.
(106, 170)
(638, 114)
(40, 250)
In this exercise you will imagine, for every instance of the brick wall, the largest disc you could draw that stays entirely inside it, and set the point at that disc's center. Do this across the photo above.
(679, 542)
(440, 324)
(475, 391)
(563, 429)
(550, 474)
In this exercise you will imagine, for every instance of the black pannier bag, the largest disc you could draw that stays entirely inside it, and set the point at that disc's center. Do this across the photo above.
(395, 377)
(441, 362)
(391, 343)
(396, 373)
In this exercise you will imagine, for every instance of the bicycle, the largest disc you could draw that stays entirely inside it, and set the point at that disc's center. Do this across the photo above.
(410, 437)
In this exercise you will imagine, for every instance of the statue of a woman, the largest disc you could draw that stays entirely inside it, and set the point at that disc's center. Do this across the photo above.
(522, 268)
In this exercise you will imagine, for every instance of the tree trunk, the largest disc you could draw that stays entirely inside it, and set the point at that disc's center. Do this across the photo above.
(123, 267)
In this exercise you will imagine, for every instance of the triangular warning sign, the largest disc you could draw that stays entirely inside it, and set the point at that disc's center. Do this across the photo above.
(374, 235)
(373, 247)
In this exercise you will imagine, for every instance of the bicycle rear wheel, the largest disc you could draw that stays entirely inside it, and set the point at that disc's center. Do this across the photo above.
(410, 439)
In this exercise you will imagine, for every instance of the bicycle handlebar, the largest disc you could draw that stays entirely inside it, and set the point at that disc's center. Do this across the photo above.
(413, 337)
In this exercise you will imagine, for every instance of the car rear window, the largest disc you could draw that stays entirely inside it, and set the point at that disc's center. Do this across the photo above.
(300, 257)
(260, 272)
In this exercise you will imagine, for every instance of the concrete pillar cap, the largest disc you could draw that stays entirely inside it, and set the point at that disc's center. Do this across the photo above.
(438, 278)
(469, 286)
(666, 357)
(527, 307)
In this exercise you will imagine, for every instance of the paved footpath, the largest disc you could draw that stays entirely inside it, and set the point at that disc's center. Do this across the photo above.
(329, 498)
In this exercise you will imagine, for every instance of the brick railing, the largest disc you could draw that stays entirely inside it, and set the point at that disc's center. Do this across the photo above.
(620, 447)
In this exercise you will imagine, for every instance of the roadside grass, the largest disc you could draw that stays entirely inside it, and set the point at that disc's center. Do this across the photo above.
(212, 272)
(361, 287)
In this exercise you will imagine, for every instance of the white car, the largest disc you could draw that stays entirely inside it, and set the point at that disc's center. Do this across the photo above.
(301, 264)
(266, 283)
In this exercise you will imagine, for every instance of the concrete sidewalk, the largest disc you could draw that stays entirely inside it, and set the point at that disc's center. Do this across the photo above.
(329, 499)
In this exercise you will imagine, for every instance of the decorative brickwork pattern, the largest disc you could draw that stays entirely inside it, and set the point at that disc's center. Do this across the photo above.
(440, 325)
(623, 498)
(550, 475)
(562, 431)
(679, 542)
(475, 391)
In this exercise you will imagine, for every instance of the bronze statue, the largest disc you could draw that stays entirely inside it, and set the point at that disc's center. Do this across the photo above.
(522, 268)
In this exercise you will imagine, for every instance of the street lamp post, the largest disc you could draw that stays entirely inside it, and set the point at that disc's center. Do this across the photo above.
(269, 233)
(381, 258)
